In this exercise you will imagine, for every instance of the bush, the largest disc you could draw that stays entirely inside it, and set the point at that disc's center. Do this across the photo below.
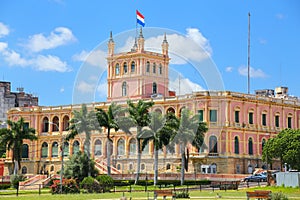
(4, 186)
(197, 182)
(183, 194)
(279, 196)
(106, 182)
(15, 179)
(90, 185)
(69, 186)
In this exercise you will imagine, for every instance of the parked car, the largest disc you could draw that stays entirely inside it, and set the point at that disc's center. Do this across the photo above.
(256, 178)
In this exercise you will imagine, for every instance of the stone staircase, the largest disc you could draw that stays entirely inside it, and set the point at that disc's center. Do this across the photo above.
(101, 165)
(33, 183)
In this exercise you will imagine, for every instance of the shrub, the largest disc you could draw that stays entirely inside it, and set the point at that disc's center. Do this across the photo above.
(279, 196)
(69, 186)
(182, 194)
(106, 182)
(90, 185)
(4, 186)
(15, 179)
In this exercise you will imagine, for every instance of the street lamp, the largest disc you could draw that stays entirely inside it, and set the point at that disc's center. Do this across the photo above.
(62, 158)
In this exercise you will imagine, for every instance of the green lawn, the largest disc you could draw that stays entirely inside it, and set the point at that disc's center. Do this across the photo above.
(292, 193)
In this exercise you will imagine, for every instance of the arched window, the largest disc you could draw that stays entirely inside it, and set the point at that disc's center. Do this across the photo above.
(45, 127)
(25, 151)
(24, 170)
(130, 166)
(213, 144)
(158, 110)
(160, 69)
(146, 149)
(148, 66)
(171, 110)
(54, 149)
(143, 167)
(117, 69)
(66, 120)
(236, 145)
(263, 143)
(250, 146)
(75, 147)
(118, 167)
(98, 148)
(125, 69)
(55, 124)
(168, 166)
(154, 68)
(52, 168)
(132, 67)
(121, 147)
(66, 149)
(154, 88)
(132, 146)
(124, 89)
(44, 150)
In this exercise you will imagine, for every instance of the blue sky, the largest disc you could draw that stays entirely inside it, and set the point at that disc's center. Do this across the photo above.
(43, 44)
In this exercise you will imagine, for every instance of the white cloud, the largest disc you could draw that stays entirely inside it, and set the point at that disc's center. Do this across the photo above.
(229, 69)
(102, 89)
(3, 46)
(13, 58)
(254, 73)
(62, 90)
(94, 58)
(60, 36)
(4, 30)
(280, 16)
(185, 86)
(85, 87)
(49, 63)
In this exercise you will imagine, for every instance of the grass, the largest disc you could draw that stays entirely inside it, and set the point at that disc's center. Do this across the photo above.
(292, 193)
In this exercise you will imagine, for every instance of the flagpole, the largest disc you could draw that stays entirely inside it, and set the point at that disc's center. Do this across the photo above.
(136, 28)
(249, 53)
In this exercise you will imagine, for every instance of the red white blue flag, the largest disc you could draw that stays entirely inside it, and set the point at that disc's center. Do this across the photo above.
(140, 19)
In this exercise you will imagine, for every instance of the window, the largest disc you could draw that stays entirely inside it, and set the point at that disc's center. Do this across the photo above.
(132, 147)
(55, 124)
(118, 167)
(168, 166)
(154, 88)
(125, 69)
(24, 170)
(237, 116)
(45, 127)
(117, 69)
(250, 146)
(263, 143)
(98, 148)
(264, 119)
(25, 151)
(75, 147)
(66, 120)
(289, 121)
(148, 67)
(124, 89)
(213, 144)
(66, 149)
(130, 166)
(200, 113)
(146, 149)
(132, 67)
(26, 125)
(154, 68)
(143, 166)
(44, 150)
(250, 117)
(277, 121)
(160, 69)
(236, 145)
(121, 147)
(213, 115)
(54, 149)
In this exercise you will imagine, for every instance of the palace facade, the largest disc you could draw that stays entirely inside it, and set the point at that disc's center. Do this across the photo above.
(238, 124)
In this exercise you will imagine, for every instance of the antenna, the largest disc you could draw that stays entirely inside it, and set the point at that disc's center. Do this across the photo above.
(249, 53)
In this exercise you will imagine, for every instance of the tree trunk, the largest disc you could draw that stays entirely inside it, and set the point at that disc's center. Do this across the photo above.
(182, 164)
(87, 147)
(108, 152)
(139, 154)
(155, 166)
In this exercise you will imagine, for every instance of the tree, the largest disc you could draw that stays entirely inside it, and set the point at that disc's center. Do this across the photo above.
(77, 165)
(285, 147)
(108, 120)
(159, 131)
(13, 138)
(83, 122)
(139, 117)
(190, 131)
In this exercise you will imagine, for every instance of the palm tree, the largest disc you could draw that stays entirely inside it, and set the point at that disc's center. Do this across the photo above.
(159, 131)
(190, 131)
(83, 122)
(139, 117)
(13, 137)
(108, 120)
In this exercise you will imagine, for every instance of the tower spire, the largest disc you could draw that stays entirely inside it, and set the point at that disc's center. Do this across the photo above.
(111, 45)
(165, 45)
(141, 41)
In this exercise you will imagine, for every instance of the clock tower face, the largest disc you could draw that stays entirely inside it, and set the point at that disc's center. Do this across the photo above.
(137, 74)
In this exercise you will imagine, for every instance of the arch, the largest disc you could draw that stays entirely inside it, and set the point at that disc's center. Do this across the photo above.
(213, 144)
(148, 67)
(98, 148)
(171, 109)
(66, 123)
(125, 68)
(132, 146)
(54, 151)
(24, 170)
(66, 149)
(45, 125)
(117, 69)
(124, 89)
(250, 146)
(236, 145)
(180, 110)
(132, 70)
(154, 88)
(121, 147)
(168, 166)
(119, 166)
(52, 168)
(25, 151)
(55, 124)
(76, 145)
(158, 110)
(44, 153)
